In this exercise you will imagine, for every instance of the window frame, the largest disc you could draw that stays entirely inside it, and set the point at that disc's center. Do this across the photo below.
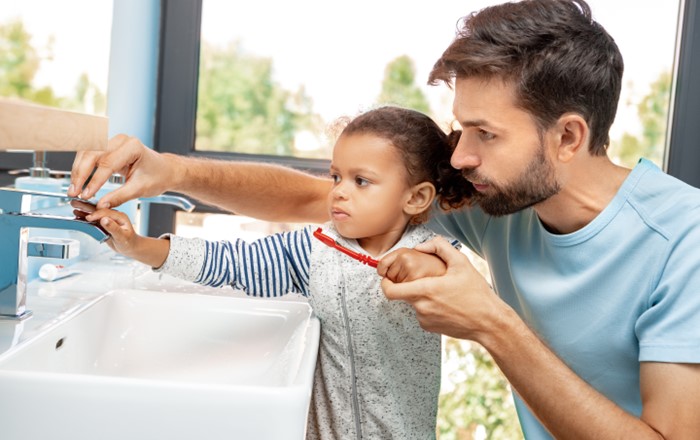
(682, 155)
(177, 101)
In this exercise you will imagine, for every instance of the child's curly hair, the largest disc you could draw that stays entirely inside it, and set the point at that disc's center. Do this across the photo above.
(426, 150)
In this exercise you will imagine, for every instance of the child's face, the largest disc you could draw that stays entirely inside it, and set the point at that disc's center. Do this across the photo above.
(370, 187)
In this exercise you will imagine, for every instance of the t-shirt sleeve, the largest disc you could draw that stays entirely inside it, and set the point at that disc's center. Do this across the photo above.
(669, 329)
(466, 225)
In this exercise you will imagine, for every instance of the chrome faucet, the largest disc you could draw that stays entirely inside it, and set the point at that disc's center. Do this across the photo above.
(164, 199)
(168, 199)
(15, 220)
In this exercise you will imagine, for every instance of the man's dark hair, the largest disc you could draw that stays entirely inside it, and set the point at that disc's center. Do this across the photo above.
(558, 58)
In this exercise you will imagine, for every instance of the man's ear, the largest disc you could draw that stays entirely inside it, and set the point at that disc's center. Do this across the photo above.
(570, 136)
(421, 199)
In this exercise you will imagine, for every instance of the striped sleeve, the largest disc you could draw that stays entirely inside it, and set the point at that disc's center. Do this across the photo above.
(269, 267)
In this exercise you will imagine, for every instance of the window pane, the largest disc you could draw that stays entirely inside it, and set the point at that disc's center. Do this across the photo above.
(646, 35)
(55, 57)
(274, 75)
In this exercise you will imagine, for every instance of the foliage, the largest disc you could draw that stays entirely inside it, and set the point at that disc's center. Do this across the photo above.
(399, 88)
(476, 401)
(19, 64)
(242, 109)
(653, 115)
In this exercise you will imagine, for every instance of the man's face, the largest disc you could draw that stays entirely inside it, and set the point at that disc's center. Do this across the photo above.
(501, 151)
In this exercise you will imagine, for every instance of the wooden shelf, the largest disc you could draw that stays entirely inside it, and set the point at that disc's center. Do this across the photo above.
(28, 126)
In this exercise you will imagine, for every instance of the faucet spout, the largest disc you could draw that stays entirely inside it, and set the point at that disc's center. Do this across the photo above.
(34, 220)
(168, 199)
(15, 222)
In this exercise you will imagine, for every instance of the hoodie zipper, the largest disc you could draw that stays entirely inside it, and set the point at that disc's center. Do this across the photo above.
(355, 402)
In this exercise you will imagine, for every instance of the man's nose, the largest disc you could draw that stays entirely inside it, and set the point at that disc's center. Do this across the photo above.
(465, 156)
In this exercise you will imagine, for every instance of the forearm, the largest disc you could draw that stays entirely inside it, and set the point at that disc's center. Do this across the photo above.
(565, 404)
(148, 250)
(264, 191)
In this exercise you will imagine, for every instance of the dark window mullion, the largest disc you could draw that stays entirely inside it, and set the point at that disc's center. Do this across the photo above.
(683, 155)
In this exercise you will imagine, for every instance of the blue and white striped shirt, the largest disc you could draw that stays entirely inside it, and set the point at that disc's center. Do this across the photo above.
(269, 267)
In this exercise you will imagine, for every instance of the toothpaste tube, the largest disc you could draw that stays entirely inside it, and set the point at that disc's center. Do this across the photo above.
(53, 272)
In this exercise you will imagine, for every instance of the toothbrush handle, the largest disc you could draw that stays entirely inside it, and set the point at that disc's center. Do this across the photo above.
(328, 241)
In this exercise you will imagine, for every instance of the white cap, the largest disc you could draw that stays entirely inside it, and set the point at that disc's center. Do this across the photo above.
(48, 272)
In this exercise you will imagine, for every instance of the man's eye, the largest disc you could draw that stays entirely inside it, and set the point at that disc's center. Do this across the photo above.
(486, 135)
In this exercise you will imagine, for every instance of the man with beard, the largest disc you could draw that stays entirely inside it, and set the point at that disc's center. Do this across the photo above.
(592, 310)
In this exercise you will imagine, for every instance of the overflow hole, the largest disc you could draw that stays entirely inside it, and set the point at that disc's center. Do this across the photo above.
(59, 343)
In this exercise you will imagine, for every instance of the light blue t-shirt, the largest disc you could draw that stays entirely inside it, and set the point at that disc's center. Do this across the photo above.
(622, 290)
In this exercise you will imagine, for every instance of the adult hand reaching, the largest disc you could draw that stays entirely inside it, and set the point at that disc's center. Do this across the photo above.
(147, 172)
(459, 303)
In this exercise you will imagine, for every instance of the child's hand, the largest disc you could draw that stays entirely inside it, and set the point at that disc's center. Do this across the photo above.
(406, 264)
(124, 239)
(151, 251)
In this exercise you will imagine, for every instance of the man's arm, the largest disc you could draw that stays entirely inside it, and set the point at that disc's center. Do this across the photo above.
(268, 192)
(565, 404)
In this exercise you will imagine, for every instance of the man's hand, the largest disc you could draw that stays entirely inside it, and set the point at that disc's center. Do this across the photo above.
(406, 264)
(458, 303)
(147, 172)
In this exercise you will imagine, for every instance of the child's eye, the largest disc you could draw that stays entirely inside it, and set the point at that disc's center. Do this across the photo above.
(359, 181)
(336, 179)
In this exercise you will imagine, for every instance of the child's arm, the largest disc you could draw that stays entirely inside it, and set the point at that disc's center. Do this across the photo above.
(270, 266)
(124, 240)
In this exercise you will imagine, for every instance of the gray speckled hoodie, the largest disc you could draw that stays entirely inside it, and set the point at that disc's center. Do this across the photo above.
(378, 371)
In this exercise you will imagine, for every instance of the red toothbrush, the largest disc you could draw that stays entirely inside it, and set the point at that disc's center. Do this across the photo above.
(327, 240)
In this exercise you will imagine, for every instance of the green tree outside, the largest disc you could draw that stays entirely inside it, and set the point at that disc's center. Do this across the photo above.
(399, 86)
(19, 64)
(653, 115)
(477, 402)
(240, 108)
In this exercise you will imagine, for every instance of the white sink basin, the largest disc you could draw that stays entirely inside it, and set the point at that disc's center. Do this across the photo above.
(149, 365)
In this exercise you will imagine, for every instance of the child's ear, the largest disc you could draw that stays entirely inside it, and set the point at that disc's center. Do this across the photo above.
(422, 196)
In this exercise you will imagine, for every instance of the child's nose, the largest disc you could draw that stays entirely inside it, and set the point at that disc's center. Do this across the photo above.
(340, 191)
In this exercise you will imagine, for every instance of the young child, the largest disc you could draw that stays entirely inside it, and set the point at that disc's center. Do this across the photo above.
(378, 372)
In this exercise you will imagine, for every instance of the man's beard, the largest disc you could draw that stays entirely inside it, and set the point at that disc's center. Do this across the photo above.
(536, 183)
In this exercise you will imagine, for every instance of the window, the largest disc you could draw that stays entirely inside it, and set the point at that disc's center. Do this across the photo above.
(273, 76)
(43, 59)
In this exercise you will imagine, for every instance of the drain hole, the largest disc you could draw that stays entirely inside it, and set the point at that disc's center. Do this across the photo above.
(59, 343)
